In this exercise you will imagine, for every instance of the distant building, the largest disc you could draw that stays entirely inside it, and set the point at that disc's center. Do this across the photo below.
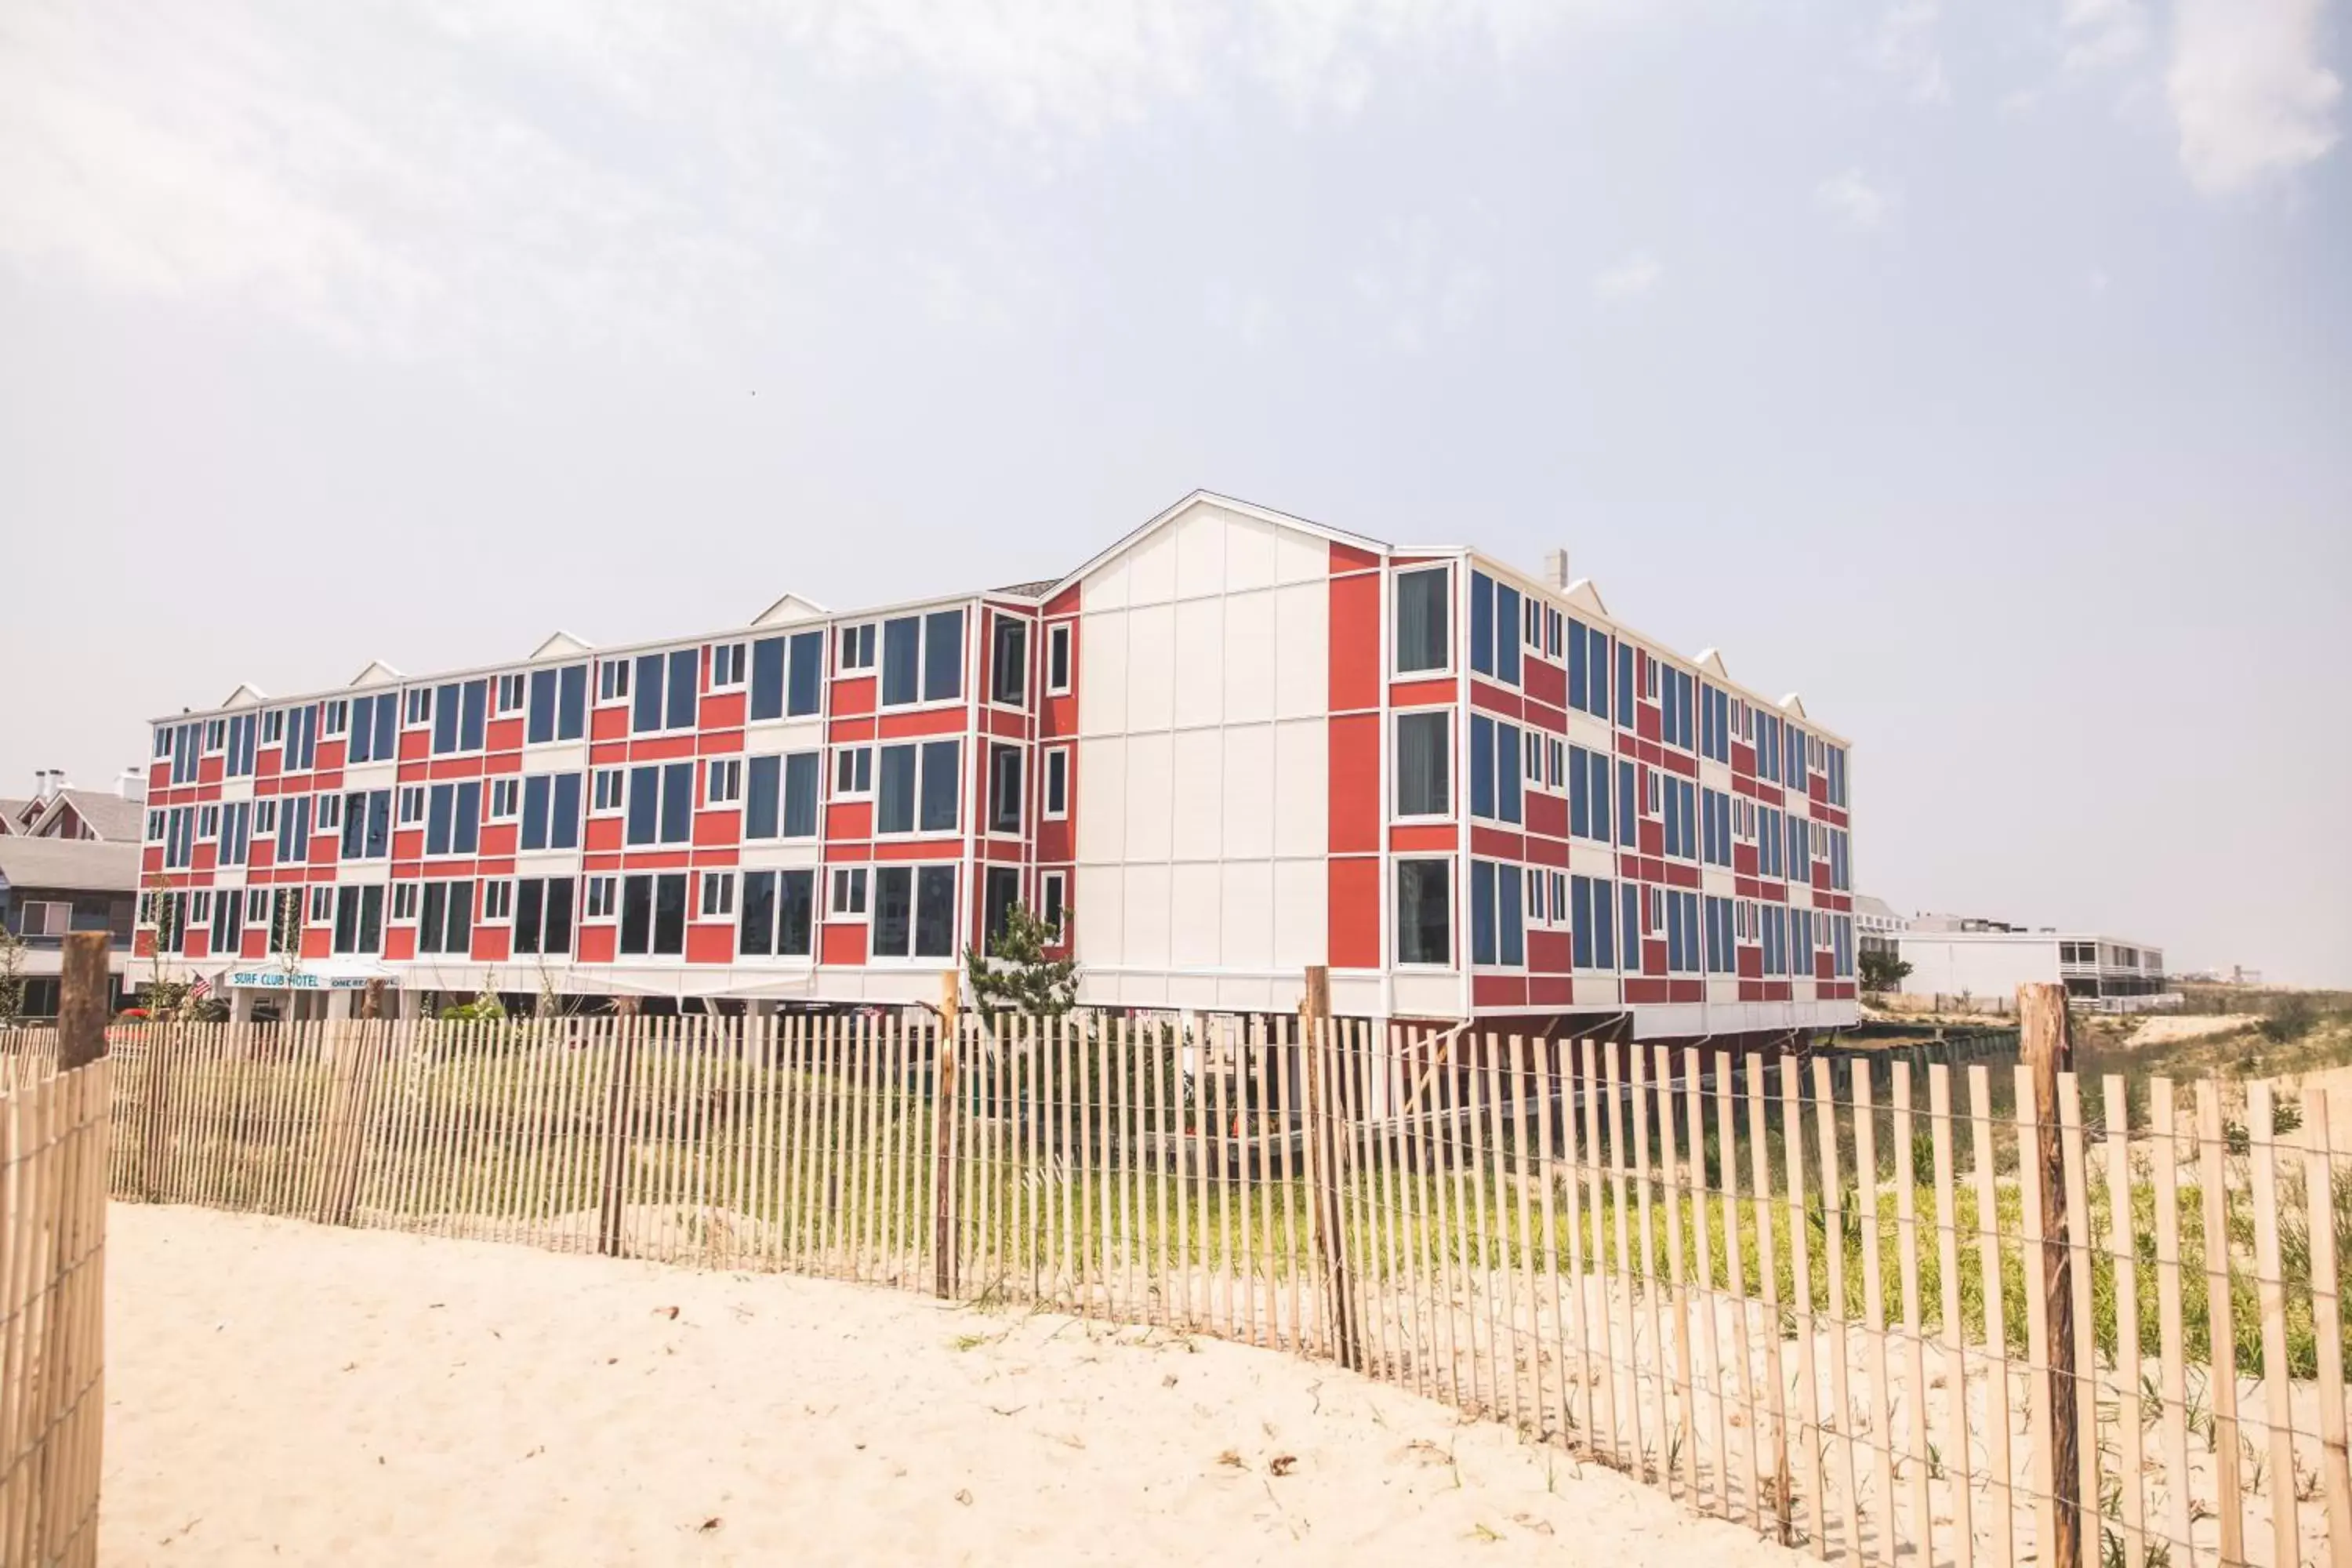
(1877, 926)
(51, 886)
(1988, 961)
(56, 809)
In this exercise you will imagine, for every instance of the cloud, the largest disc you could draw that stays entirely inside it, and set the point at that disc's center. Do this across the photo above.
(2102, 32)
(2248, 91)
(1855, 200)
(1629, 279)
(435, 178)
(1904, 46)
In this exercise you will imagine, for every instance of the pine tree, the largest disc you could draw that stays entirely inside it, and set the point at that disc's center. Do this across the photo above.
(1018, 976)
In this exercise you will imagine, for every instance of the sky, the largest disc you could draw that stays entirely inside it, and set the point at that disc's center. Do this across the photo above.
(1979, 372)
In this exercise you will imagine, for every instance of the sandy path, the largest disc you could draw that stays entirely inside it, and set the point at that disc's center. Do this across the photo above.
(289, 1393)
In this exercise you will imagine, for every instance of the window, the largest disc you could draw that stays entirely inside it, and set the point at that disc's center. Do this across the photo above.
(403, 900)
(241, 731)
(787, 675)
(1555, 764)
(155, 827)
(727, 665)
(216, 733)
(265, 817)
(653, 915)
(453, 817)
(301, 740)
(1767, 747)
(1715, 828)
(334, 721)
(506, 798)
(1771, 843)
(412, 804)
(1497, 925)
(1494, 769)
(458, 716)
(358, 920)
(236, 831)
(661, 803)
(373, 732)
(1008, 660)
(208, 822)
(782, 800)
(922, 658)
(542, 915)
(1721, 956)
(1674, 687)
(1002, 891)
(1004, 789)
(180, 837)
(1837, 775)
(1715, 723)
(550, 810)
(559, 704)
(43, 918)
(666, 688)
(600, 898)
(722, 781)
(1680, 803)
(1534, 750)
(228, 919)
(1494, 628)
(511, 689)
(853, 772)
(920, 785)
(327, 815)
(417, 710)
(367, 825)
(612, 785)
(1058, 782)
(446, 924)
(1425, 603)
(294, 829)
(1588, 795)
(914, 912)
(1425, 763)
(273, 733)
(611, 681)
(717, 895)
(1057, 659)
(1053, 899)
(1626, 692)
(322, 905)
(1801, 868)
(1629, 806)
(850, 891)
(1533, 617)
(779, 914)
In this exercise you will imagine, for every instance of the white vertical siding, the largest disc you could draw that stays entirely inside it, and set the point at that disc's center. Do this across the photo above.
(1202, 785)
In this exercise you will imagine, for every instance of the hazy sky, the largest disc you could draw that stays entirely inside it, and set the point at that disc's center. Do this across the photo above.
(1979, 370)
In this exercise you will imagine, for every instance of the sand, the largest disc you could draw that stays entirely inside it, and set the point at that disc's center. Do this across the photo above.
(280, 1392)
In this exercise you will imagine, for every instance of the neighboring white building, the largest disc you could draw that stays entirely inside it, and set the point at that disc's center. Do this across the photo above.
(1989, 965)
(1877, 926)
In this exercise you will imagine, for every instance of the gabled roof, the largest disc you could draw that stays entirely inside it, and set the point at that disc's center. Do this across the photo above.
(245, 696)
(377, 673)
(112, 819)
(559, 644)
(1585, 596)
(1211, 498)
(68, 863)
(10, 809)
(789, 610)
(1711, 661)
(1792, 703)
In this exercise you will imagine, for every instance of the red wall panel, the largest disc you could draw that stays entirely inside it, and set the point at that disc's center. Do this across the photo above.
(843, 943)
(1355, 919)
(1354, 782)
(709, 943)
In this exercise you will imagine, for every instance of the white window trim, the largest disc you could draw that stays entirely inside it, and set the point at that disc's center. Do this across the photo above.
(1055, 879)
(1454, 784)
(739, 662)
(499, 706)
(416, 708)
(851, 792)
(600, 896)
(497, 901)
(988, 800)
(1457, 611)
(715, 770)
(834, 912)
(921, 744)
(1028, 653)
(914, 870)
(720, 885)
(1067, 631)
(968, 666)
(512, 784)
(1048, 812)
(614, 693)
(620, 778)
(871, 647)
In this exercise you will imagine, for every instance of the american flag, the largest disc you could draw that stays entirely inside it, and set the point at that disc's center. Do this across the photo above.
(200, 990)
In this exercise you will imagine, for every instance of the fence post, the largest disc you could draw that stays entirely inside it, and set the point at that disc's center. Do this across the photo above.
(347, 1113)
(82, 999)
(943, 1102)
(2046, 1041)
(1326, 1148)
(617, 1105)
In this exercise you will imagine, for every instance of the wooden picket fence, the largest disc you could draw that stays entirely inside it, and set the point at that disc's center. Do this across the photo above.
(53, 1191)
(1813, 1296)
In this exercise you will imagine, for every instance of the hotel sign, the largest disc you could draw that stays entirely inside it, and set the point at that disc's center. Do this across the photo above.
(294, 980)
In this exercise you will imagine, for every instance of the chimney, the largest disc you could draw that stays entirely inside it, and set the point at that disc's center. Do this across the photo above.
(46, 782)
(130, 783)
(1555, 571)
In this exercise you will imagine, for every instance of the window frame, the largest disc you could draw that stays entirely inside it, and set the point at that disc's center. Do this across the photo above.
(1054, 784)
(722, 783)
(855, 648)
(998, 621)
(728, 665)
(847, 895)
(1451, 785)
(1446, 640)
(1061, 651)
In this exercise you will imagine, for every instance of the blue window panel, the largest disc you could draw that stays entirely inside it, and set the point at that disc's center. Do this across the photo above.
(1580, 901)
(901, 645)
(1482, 623)
(767, 700)
(465, 819)
(759, 798)
(1482, 912)
(1604, 945)
(541, 726)
(1511, 883)
(800, 792)
(942, 656)
(942, 784)
(894, 798)
(1580, 793)
(645, 701)
(1675, 954)
(645, 805)
(1629, 808)
(534, 812)
(1506, 634)
(677, 803)
(1579, 665)
(1629, 921)
(572, 702)
(1625, 687)
(563, 812)
(1507, 765)
(807, 688)
(685, 680)
(1482, 765)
